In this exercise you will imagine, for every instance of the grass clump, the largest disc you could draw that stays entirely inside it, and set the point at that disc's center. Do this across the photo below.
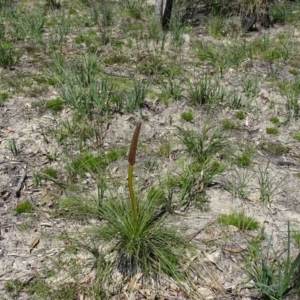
(240, 115)
(165, 148)
(268, 185)
(275, 149)
(55, 104)
(244, 160)
(143, 245)
(50, 172)
(229, 125)
(24, 207)
(271, 130)
(276, 277)
(88, 162)
(239, 220)
(293, 71)
(113, 154)
(204, 91)
(274, 120)
(187, 116)
(296, 236)
(3, 97)
(13, 148)
(13, 286)
(296, 136)
(9, 57)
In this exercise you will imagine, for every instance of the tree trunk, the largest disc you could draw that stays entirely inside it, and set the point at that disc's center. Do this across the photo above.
(163, 10)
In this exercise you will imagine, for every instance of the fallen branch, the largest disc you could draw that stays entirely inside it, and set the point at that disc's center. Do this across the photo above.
(20, 183)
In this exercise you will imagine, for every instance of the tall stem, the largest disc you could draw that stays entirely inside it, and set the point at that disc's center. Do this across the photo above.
(131, 161)
(131, 192)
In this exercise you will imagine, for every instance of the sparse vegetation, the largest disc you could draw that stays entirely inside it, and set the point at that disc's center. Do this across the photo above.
(219, 102)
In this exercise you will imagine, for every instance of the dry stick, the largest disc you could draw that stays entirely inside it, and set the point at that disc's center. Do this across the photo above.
(131, 161)
(193, 235)
(20, 183)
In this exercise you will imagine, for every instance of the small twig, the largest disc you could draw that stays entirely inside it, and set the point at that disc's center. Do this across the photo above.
(20, 183)
(193, 235)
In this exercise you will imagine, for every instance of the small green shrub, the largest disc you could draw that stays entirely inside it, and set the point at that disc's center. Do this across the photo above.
(239, 220)
(24, 207)
(187, 116)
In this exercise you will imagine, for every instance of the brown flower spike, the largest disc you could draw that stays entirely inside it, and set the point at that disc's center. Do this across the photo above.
(133, 145)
